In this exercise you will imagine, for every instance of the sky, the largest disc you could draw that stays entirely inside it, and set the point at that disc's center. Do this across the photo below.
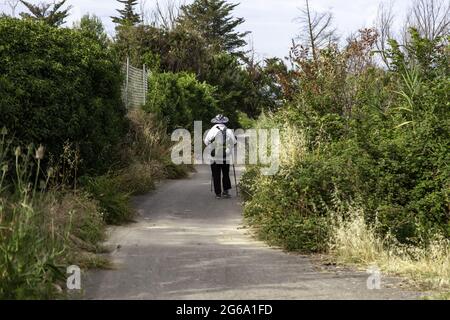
(272, 22)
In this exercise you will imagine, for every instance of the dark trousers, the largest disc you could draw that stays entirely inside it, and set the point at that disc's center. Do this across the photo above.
(219, 170)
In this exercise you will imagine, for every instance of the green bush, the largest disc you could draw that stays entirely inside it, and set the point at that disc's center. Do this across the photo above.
(248, 182)
(58, 85)
(173, 171)
(275, 208)
(385, 148)
(180, 99)
(138, 178)
(114, 203)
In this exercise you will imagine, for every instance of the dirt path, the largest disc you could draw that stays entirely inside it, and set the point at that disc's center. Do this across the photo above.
(188, 245)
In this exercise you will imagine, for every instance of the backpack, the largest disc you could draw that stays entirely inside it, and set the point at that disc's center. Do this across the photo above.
(220, 142)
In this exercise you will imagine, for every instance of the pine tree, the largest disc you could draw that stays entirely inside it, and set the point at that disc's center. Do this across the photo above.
(214, 21)
(92, 27)
(127, 15)
(50, 13)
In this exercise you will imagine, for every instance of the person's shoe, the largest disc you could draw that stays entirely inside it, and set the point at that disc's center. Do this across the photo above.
(218, 196)
(226, 195)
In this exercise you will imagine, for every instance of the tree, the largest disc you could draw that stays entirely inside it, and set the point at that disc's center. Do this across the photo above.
(276, 83)
(179, 99)
(51, 13)
(126, 28)
(92, 27)
(213, 20)
(13, 6)
(431, 18)
(317, 29)
(359, 50)
(429, 57)
(62, 86)
(163, 15)
(384, 23)
(127, 15)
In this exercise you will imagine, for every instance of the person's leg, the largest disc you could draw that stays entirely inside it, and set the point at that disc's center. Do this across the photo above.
(226, 177)
(215, 169)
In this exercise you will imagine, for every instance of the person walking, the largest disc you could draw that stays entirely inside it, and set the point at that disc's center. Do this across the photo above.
(223, 141)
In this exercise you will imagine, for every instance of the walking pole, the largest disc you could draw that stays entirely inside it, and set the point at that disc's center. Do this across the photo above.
(235, 181)
(234, 171)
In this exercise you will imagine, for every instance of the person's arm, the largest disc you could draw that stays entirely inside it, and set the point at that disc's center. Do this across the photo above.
(232, 137)
(210, 136)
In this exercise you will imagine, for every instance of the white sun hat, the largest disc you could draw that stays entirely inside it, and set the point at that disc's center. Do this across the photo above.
(220, 119)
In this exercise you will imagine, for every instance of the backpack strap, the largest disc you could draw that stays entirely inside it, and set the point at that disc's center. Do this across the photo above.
(224, 135)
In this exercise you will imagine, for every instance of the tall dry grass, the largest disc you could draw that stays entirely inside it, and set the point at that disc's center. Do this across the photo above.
(146, 153)
(147, 139)
(293, 146)
(354, 242)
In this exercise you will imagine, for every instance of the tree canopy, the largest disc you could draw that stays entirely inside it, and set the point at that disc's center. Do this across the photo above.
(51, 13)
(214, 21)
(128, 17)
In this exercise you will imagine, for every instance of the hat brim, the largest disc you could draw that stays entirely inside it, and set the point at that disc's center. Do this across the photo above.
(221, 121)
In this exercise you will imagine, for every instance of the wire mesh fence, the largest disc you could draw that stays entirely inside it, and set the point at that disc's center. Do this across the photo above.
(135, 87)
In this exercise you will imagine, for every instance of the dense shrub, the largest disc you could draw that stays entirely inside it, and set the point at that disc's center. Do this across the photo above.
(378, 138)
(57, 85)
(139, 177)
(280, 217)
(114, 202)
(180, 99)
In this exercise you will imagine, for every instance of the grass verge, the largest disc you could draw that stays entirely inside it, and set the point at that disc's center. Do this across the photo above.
(353, 242)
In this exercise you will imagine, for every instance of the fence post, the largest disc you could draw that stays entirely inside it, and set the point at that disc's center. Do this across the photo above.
(144, 82)
(126, 82)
